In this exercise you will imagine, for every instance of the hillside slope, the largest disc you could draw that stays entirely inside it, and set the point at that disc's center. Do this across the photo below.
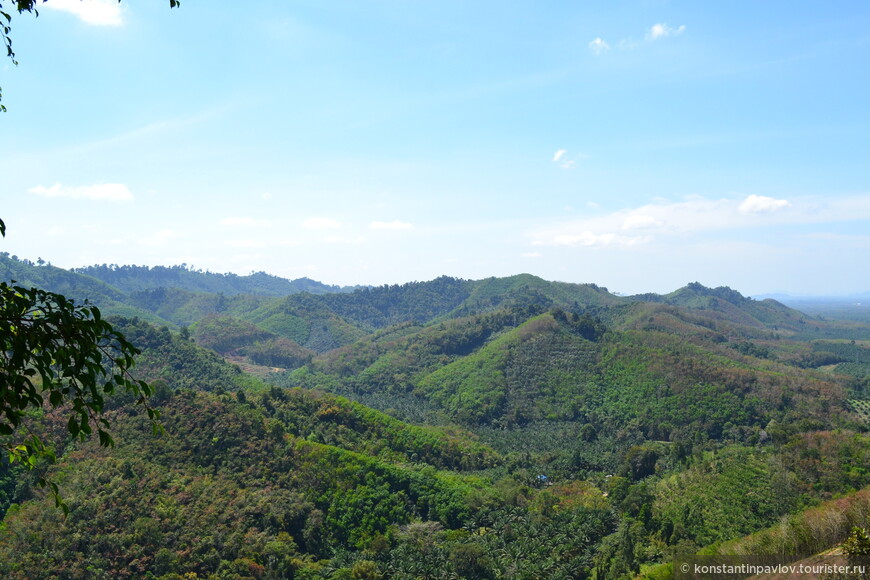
(137, 278)
(268, 482)
(559, 431)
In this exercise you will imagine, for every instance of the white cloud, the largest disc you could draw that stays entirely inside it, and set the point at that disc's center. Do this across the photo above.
(565, 163)
(598, 46)
(653, 219)
(639, 222)
(662, 30)
(761, 204)
(655, 32)
(393, 225)
(696, 216)
(93, 12)
(321, 224)
(158, 238)
(266, 196)
(102, 192)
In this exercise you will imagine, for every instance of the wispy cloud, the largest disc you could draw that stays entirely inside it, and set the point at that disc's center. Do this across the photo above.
(655, 32)
(317, 223)
(93, 12)
(102, 192)
(695, 216)
(761, 204)
(393, 225)
(599, 46)
(566, 162)
(662, 30)
(640, 222)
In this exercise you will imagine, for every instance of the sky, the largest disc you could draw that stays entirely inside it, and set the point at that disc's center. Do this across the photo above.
(639, 144)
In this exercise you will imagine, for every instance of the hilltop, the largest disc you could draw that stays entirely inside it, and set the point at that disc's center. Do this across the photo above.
(136, 278)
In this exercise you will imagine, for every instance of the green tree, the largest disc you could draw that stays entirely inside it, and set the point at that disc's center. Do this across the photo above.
(26, 6)
(55, 351)
(857, 546)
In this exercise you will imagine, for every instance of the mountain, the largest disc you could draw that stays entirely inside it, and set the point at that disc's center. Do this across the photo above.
(505, 427)
(270, 482)
(71, 284)
(723, 303)
(663, 374)
(47, 277)
(134, 278)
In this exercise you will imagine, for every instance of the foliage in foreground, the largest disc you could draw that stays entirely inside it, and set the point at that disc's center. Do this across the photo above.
(57, 353)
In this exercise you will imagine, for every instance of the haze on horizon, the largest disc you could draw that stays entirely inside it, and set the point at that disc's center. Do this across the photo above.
(637, 145)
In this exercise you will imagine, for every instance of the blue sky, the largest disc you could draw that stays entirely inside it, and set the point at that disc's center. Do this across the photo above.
(639, 145)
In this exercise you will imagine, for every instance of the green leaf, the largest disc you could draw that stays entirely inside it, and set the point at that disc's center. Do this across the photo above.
(73, 427)
(105, 439)
(65, 352)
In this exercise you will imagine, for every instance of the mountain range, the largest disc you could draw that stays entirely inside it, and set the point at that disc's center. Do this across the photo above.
(505, 427)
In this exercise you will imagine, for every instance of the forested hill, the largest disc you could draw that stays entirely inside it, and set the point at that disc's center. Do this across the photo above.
(730, 304)
(256, 481)
(371, 307)
(43, 275)
(499, 428)
(321, 317)
(442, 298)
(134, 278)
(722, 313)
